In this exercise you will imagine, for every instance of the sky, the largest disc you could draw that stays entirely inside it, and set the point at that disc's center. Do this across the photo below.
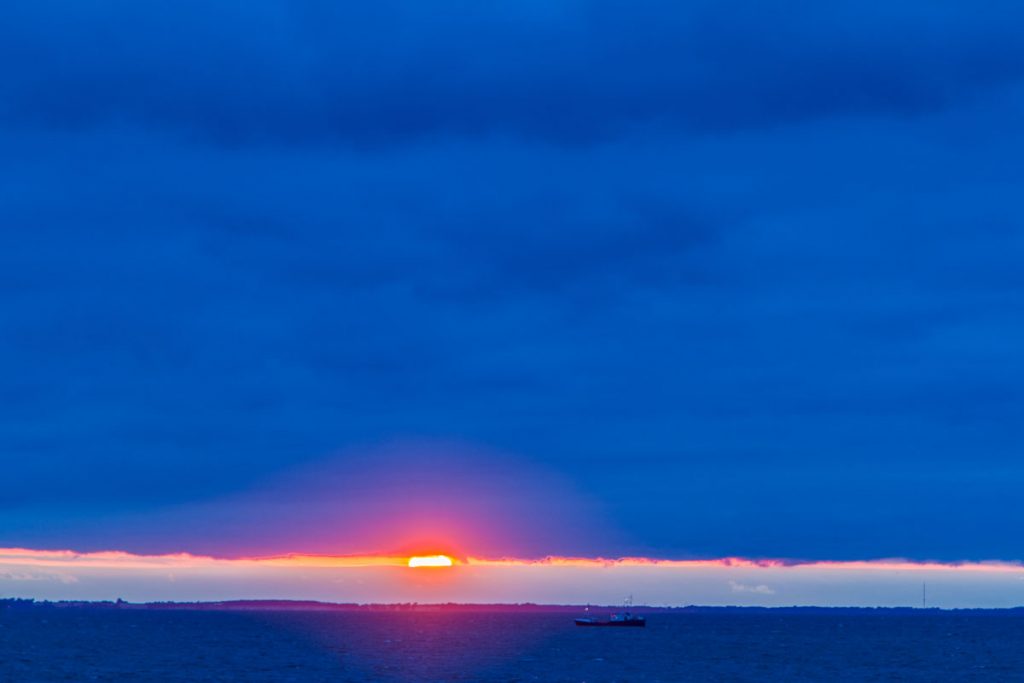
(586, 279)
(64, 575)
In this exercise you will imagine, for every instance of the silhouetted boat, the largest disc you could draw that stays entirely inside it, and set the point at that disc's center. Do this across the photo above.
(625, 618)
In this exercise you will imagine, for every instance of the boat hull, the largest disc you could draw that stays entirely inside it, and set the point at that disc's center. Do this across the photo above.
(620, 623)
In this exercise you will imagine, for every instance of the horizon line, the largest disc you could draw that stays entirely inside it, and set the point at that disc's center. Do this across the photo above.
(313, 605)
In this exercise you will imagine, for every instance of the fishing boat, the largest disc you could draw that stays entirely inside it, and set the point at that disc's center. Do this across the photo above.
(624, 618)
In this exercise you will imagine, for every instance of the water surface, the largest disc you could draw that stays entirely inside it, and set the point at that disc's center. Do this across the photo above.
(127, 645)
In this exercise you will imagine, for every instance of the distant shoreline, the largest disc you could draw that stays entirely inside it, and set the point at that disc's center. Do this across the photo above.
(15, 604)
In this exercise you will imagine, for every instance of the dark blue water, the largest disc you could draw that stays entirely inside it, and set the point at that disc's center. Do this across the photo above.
(124, 645)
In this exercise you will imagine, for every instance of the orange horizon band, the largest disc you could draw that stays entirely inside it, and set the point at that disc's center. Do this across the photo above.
(112, 559)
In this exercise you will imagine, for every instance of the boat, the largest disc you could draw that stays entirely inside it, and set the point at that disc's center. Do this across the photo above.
(624, 618)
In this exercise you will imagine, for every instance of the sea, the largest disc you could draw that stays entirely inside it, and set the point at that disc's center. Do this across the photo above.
(185, 645)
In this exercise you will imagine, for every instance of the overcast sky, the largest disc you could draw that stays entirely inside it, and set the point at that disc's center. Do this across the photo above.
(517, 278)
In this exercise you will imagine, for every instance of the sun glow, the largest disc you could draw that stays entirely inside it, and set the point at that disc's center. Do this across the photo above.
(430, 561)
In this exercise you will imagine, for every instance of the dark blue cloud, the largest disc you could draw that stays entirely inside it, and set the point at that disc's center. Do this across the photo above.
(749, 279)
(573, 72)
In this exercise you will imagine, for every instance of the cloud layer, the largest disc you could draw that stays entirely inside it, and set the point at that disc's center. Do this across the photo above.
(733, 280)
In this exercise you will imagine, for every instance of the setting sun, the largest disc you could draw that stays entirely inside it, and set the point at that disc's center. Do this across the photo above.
(431, 561)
